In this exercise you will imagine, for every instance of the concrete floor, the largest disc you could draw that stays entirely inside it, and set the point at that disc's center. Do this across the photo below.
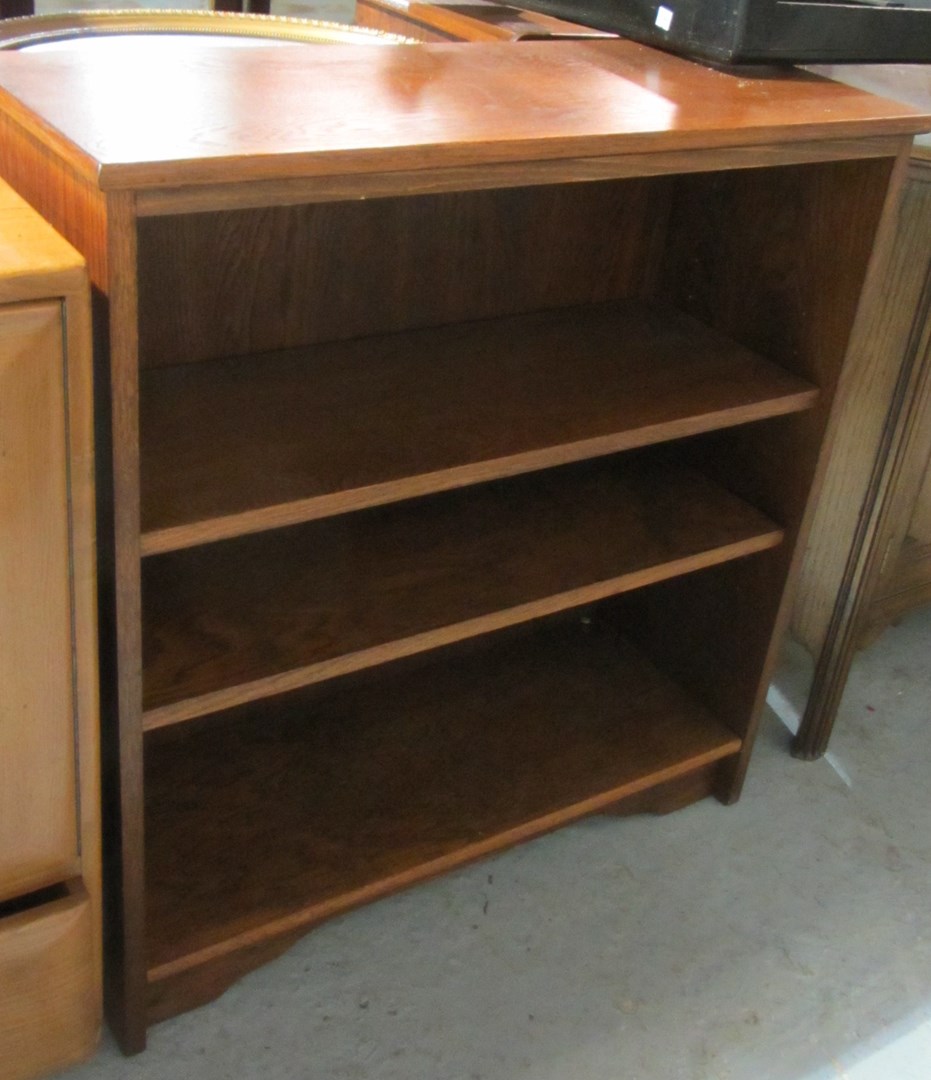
(785, 938)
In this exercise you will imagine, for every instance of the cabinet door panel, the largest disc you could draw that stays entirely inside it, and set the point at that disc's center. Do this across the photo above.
(920, 527)
(38, 826)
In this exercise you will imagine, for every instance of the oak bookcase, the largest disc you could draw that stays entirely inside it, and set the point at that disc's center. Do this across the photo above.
(465, 404)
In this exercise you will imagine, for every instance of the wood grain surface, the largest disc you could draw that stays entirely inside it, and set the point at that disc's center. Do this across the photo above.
(900, 574)
(474, 20)
(385, 782)
(39, 834)
(35, 262)
(50, 1007)
(885, 349)
(908, 587)
(873, 479)
(297, 190)
(232, 622)
(379, 780)
(68, 201)
(919, 524)
(750, 254)
(160, 122)
(50, 933)
(190, 987)
(295, 270)
(242, 445)
(117, 339)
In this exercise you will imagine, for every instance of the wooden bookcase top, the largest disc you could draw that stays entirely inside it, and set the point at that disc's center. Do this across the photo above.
(153, 121)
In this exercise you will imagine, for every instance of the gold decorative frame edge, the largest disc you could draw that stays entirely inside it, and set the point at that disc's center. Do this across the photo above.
(29, 30)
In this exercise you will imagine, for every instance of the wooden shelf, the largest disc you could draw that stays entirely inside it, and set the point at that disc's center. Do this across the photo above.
(389, 780)
(228, 623)
(240, 445)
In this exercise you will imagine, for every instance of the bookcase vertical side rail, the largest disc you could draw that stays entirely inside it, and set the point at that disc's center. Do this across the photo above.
(121, 636)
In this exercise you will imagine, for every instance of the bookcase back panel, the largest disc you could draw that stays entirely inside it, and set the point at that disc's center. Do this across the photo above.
(749, 252)
(286, 276)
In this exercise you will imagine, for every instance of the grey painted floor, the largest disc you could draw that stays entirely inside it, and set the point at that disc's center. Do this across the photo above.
(786, 937)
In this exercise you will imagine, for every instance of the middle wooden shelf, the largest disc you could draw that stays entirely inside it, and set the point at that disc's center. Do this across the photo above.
(241, 619)
(243, 444)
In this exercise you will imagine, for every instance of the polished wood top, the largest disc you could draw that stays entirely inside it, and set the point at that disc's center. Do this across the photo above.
(483, 20)
(904, 82)
(149, 119)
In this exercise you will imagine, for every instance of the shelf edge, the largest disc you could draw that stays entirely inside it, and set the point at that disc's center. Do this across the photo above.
(177, 537)
(216, 701)
(311, 916)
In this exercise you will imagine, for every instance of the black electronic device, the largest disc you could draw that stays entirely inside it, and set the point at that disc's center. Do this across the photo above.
(768, 31)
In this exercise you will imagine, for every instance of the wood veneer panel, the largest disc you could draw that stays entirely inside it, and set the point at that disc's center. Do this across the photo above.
(874, 520)
(294, 271)
(50, 937)
(886, 358)
(364, 110)
(49, 1008)
(475, 20)
(121, 635)
(364, 115)
(750, 253)
(238, 446)
(312, 804)
(919, 526)
(192, 987)
(39, 832)
(299, 190)
(396, 19)
(909, 586)
(58, 190)
(36, 263)
(232, 622)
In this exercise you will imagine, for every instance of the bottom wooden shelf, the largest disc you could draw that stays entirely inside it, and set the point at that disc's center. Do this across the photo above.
(264, 821)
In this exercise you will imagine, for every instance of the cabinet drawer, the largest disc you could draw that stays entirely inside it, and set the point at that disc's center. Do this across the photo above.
(38, 818)
(49, 1013)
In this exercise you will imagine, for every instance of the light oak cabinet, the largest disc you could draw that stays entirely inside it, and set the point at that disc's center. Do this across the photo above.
(869, 553)
(901, 578)
(50, 941)
(853, 596)
(461, 442)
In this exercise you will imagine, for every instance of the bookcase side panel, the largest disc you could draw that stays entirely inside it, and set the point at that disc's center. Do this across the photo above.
(777, 259)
